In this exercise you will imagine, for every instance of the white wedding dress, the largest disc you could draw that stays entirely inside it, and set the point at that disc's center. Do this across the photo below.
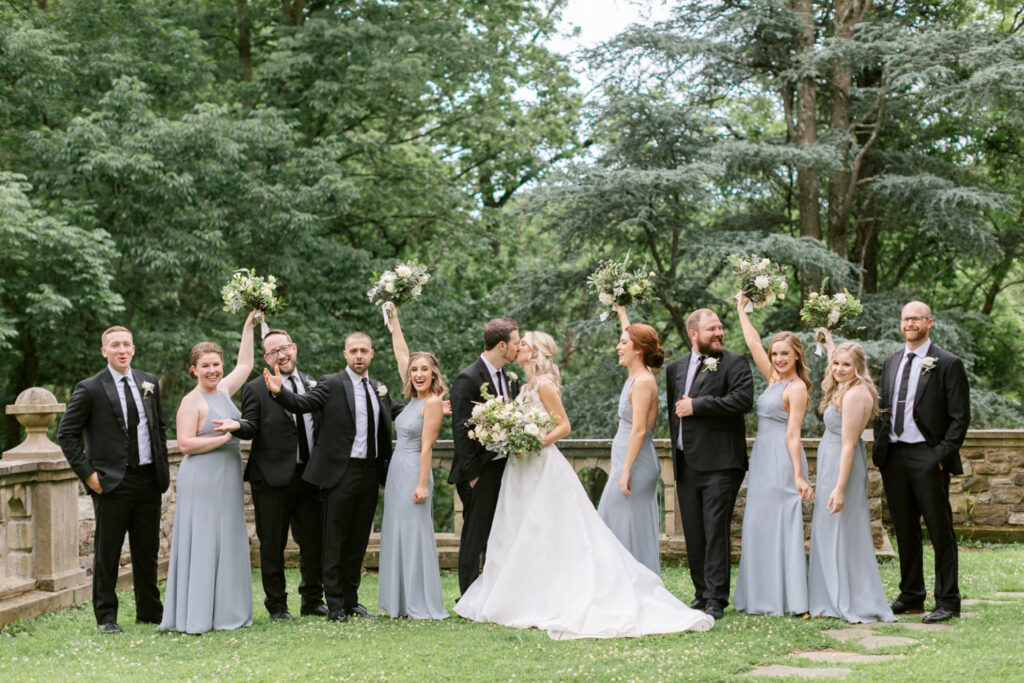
(552, 563)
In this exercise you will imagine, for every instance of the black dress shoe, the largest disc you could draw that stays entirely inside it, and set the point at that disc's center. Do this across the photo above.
(359, 611)
(338, 616)
(109, 627)
(940, 614)
(698, 604)
(283, 615)
(148, 621)
(900, 607)
(713, 609)
(316, 611)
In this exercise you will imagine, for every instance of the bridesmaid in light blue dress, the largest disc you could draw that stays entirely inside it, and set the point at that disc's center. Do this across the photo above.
(773, 565)
(410, 578)
(209, 575)
(843, 579)
(629, 503)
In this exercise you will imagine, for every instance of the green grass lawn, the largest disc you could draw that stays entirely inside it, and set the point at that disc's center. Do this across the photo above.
(65, 645)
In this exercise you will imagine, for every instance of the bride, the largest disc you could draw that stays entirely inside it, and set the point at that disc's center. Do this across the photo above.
(551, 562)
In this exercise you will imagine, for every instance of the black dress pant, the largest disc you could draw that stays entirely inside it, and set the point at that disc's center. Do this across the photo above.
(915, 487)
(706, 503)
(132, 507)
(478, 505)
(296, 504)
(348, 519)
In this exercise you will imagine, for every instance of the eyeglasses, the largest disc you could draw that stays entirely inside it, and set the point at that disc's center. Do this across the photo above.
(271, 355)
(915, 318)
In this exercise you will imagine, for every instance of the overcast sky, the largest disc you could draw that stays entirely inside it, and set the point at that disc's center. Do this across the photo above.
(599, 20)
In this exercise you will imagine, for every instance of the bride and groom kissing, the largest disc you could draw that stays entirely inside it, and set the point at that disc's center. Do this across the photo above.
(549, 559)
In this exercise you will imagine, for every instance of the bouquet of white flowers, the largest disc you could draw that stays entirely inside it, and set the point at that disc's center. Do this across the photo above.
(397, 287)
(508, 427)
(617, 285)
(246, 291)
(830, 312)
(761, 281)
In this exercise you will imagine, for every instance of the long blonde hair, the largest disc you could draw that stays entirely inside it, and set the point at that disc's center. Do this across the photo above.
(833, 392)
(437, 383)
(543, 344)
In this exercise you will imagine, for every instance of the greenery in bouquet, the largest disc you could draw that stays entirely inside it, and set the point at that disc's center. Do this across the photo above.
(400, 285)
(508, 427)
(761, 281)
(247, 291)
(830, 312)
(616, 284)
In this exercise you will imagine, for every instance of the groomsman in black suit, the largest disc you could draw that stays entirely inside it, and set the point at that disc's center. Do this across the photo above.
(281, 446)
(349, 461)
(476, 471)
(123, 463)
(925, 411)
(709, 391)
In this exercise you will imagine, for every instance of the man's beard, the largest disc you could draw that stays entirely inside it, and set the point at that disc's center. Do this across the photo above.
(707, 349)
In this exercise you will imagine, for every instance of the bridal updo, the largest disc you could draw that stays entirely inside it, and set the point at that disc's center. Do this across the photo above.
(646, 341)
(544, 349)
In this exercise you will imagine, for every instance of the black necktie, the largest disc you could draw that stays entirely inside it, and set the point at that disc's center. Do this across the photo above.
(133, 423)
(371, 423)
(689, 386)
(502, 391)
(901, 401)
(300, 425)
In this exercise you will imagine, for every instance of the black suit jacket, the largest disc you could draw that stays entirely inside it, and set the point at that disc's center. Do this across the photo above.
(942, 408)
(94, 437)
(334, 396)
(275, 437)
(714, 437)
(470, 456)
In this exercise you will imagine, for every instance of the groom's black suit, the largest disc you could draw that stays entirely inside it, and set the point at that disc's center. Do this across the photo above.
(472, 461)
(280, 496)
(349, 485)
(131, 496)
(710, 466)
(916, 475)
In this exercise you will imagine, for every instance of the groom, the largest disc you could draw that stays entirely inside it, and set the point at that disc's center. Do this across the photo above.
(925, 411)
(476, 471)
(709, 391)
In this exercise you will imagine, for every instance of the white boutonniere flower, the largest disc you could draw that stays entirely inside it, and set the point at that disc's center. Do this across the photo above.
(310, 383)
(928, 364)
(710, 364)
(147, 389)
(382, 390)
(512, 377)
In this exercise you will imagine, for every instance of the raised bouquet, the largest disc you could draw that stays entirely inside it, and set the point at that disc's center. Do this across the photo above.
(616, 284)
(830, 312)
(246, 291)
(508, 427)
(397, 287)
(761, 281)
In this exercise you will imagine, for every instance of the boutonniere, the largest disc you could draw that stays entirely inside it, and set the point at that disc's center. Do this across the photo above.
(512, 377)
(710, 364)
(382, 390)
(147, 389)
(310, 383)
(928, 364)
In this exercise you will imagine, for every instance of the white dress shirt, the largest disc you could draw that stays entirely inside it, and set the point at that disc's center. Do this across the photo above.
(911, 434)
(307, 418)
(142, 433)
(359, 443)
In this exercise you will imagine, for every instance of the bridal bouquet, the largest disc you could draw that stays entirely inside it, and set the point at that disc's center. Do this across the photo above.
(246, 290)
(397, 287)
(509, 427)
(830, 312)
(761, 281)
(617, 285)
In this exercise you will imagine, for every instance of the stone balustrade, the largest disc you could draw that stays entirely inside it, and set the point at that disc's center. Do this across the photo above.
(47, 523)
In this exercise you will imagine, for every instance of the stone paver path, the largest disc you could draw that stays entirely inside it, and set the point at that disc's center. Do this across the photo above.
(1010, 594)
(800, 672)
(842, 656)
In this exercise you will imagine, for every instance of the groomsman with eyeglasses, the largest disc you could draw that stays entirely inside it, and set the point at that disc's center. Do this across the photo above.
(925, 412)
(281, 445)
